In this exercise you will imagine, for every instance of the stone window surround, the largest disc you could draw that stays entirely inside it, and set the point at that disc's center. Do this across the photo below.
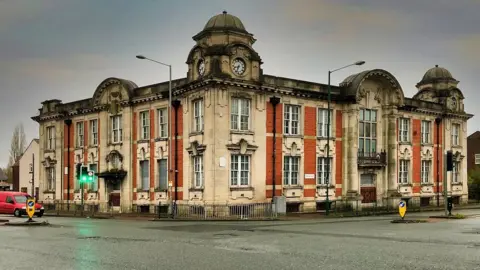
(141, 125)
(430, 138)
(202, 117)
(196, 149)
(301, 116)
(332, 121)
(460, 130)
(90, 132)
(157, 122)
(111, 120)
(299, 171)
(251, 116)
(144, 156)
(409, 131)
(241, 148)
(50, 145)
(79, 137)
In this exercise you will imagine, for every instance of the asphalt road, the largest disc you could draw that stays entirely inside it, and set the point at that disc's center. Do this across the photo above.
(366, 243)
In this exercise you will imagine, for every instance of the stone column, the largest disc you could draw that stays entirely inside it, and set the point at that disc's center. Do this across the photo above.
(353, 179)
(392, 154)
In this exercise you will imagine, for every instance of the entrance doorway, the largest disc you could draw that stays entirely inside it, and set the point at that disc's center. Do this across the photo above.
(113, 188)
(368, 190)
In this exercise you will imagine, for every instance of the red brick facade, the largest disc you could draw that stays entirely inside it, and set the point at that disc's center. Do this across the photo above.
(269, 150)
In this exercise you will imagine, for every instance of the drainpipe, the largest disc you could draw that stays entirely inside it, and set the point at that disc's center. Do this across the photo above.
(274, 101)
(68, 122)
(438, 120)
(176, 105)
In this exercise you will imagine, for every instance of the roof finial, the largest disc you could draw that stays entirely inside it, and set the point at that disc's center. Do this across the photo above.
(436, 65)
(224, 12)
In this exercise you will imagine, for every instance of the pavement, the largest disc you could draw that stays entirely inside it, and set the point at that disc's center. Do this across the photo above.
(344, 243)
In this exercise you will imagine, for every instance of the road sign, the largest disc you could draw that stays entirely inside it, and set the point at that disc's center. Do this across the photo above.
(30, 208)
(402, 208)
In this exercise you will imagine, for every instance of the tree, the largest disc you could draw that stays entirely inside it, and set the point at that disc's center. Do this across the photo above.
(474, 183)
(17, 147)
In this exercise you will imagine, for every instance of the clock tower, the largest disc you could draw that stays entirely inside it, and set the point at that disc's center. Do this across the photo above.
(224, 50)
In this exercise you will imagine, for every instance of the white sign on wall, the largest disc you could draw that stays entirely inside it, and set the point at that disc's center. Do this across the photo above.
(223, 162)
(309, 176)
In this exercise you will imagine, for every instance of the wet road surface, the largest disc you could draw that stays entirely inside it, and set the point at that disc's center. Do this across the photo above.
(363, 243)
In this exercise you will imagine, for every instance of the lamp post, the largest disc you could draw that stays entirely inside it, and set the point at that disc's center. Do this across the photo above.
(141, 57)
(358, 63)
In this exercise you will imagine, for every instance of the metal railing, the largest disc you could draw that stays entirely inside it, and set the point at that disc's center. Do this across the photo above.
(204, 211)
(226, 211)
(390, 206)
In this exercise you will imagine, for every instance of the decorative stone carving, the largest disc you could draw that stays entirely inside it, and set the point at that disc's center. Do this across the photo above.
(405, 153)
(196, 149)
(242, 147)
(49, 162)
(426, 154)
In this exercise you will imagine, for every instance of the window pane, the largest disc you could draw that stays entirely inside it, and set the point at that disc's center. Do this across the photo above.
(361, 129)
(367, 130)
(374, 116)
(367, 115)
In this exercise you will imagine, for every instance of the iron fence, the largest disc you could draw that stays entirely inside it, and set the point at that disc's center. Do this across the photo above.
(390, 206)
(217, 211)
(204, 211)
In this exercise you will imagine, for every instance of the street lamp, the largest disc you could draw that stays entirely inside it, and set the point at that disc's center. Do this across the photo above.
(358, 63)
(141, 57)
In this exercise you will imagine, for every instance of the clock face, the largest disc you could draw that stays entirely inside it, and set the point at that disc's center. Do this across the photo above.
(238, 66)
(201, 67)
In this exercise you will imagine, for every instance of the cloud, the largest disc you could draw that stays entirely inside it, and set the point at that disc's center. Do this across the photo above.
(345, 21)
(54, 69)
(15, 11)
(467, 46)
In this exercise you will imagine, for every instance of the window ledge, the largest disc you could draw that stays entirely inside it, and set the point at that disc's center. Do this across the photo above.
(143, 190)
(49, 191)
(196, 189)
(426, 184)
(325, 186)
(457, 184)
(115, 143)
(78, 147)
(456, 146)
(195, 133)
(332, 138)
(241, 188)
(160, 190)
(242, 132)
(49, 150)
(405, 143)
(293, 136)
(405, 185)
(161, 139)
(293, 187)
(143, 141)
(427, 144)
(93, 146)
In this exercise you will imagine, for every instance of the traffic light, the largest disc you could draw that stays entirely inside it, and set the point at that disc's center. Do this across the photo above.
(78, 168)
(449, 161)
(84, 174)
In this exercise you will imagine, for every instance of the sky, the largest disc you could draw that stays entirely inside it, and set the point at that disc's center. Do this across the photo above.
(63, 49)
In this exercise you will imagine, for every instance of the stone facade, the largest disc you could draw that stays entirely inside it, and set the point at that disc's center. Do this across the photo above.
(239, 135)
(28, 170)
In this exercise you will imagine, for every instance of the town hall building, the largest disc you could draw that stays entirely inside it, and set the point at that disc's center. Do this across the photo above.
(235, 135)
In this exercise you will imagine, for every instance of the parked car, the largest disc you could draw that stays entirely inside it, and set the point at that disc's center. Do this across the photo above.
(15, 203)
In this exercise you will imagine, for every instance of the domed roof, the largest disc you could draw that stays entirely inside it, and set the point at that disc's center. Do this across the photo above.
(437, 73)
(225, 21)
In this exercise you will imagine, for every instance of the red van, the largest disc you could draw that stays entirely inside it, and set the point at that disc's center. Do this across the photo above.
(15, 203)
